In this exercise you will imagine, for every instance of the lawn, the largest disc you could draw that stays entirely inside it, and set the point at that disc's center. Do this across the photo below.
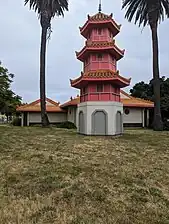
(56, 176)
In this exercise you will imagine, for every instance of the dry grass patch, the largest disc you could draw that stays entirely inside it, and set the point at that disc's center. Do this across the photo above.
(56, 176)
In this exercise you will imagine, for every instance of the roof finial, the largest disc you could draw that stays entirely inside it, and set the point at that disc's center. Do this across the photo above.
(100, 6)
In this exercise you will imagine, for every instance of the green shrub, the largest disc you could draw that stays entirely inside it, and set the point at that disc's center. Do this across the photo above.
(166, 125)
(66, 124)
(16, 121)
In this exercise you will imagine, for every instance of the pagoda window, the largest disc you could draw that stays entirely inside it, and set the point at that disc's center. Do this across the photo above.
(94, 57)
(84, 90)
(110, 34)
(99, 31)
(86, 61)
(113, 60)
(100, 57)
(99, 88)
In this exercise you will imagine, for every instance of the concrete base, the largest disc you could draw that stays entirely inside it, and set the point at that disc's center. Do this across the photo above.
(100, 118)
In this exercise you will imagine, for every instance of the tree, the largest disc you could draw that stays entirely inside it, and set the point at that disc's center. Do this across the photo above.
(8, 99)
(142, 90)
(145, 91)
(46, 9)
(150, 12)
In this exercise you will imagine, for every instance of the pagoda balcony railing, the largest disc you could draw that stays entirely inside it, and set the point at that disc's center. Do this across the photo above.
(99, 39)
(100, 96)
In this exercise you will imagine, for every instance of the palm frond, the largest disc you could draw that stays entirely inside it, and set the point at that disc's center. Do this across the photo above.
(52, 7)
(142, 10)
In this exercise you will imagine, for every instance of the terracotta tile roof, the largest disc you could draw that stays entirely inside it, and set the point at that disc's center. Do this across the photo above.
(35, 106)
(135, 102)
(131, 101)
(100, 16)
(100, 74)
(127, 102)
(72, 102)
(100, 45)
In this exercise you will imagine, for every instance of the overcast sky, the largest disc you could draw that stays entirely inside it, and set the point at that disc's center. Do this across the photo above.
(20, 42)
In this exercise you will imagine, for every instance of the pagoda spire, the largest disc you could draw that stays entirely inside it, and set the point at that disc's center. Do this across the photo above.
(100, 6)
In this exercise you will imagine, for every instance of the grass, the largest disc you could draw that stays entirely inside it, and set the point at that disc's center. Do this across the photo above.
(56, 176)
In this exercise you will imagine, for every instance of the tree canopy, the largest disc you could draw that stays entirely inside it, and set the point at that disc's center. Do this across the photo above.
(8, 99)
(146, 11)
(145, 91)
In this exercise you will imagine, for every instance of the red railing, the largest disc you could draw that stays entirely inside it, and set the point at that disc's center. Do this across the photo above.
(101, 96)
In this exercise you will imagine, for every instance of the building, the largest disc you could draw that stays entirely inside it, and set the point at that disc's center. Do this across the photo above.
(102, 107)
(31, 113)
(135, 111)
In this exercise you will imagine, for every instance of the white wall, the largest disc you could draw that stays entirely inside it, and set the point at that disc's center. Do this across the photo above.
(135, 116)
(53, 117)
(71, 114)
(111, 109)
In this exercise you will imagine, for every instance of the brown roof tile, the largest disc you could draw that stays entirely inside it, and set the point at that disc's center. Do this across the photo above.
(35, 107)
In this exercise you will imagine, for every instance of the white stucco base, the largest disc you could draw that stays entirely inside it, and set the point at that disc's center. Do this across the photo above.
(90, 108)
(35, 118)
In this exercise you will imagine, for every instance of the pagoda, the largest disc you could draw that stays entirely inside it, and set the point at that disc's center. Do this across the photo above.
(100, 110)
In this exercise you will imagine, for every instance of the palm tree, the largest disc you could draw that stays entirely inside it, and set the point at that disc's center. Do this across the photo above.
(46, 9)
(150, 12)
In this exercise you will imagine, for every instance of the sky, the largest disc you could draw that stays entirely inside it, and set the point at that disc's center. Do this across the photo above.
(20, 44)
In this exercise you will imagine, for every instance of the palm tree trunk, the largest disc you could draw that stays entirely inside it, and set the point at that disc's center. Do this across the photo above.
(157, 123)
(44, 117)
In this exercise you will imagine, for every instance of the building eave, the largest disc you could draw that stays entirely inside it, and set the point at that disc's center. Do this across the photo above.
(98, 47)
(94, 21)
(137, 105)
(100, 75)
(35, 107)
(132, 102)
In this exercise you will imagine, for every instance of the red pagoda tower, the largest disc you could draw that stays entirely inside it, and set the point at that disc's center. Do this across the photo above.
(100, 110)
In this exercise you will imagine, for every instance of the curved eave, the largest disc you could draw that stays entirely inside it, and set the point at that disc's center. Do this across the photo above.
(111, 24)
(37, 109)
(113, 49)
(72, 103)
(81, 81)
(137, 105)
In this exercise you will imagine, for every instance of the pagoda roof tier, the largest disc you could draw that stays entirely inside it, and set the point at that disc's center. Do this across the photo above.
(100, 19)
(94, 46)
(100, 75)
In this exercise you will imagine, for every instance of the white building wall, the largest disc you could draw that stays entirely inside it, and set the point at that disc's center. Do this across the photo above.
(22, 119)
(53, 117)
(135, 116)
(71, 114)
(110, 108)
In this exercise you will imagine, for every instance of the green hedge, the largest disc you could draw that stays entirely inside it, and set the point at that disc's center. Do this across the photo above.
(166, 125)
(67, 125)
(16, 121)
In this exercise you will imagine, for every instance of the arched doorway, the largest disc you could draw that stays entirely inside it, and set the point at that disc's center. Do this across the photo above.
(119, 123)
(81, 122)
(99, 122)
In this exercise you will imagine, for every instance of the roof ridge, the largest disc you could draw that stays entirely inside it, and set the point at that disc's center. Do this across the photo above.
(126, 94)
(34, 103)
(141, 99)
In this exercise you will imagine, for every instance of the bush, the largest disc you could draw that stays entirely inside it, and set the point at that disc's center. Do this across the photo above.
(16, 121)
(66, 124)
(166, 125)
